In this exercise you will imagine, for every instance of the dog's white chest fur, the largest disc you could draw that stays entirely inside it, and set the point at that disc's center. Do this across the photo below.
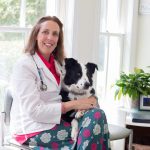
(74, 96)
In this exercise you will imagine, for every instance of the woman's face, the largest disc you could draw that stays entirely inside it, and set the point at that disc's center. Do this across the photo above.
(47, 38)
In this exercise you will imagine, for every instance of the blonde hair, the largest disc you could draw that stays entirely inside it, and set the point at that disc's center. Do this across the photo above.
(32, 46)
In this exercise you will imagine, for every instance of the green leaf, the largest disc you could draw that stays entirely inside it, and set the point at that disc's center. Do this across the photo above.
(116, 93)
(120, 93)
(138, 70)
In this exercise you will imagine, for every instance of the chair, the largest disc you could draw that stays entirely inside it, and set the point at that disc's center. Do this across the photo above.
(6, 140)
(118, 132)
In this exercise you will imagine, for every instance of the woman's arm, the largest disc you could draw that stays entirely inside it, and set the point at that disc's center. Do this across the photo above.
(86, 103)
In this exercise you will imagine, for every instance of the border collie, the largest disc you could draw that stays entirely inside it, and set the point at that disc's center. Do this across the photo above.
(77, 83)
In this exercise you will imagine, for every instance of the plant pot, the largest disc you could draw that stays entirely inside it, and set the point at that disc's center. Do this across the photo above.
(130, 103)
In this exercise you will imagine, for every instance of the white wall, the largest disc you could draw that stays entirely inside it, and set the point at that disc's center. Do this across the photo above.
(143, 42)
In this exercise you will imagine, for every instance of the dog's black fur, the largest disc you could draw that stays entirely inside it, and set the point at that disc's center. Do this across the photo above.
(77, 83)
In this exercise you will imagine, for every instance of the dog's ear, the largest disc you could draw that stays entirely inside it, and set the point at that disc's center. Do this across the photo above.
(91, 68)
(69, 62)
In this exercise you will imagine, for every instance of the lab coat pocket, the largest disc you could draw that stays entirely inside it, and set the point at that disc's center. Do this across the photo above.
(50, 96)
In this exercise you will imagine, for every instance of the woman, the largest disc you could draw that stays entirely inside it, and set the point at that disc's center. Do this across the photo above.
(37, 107)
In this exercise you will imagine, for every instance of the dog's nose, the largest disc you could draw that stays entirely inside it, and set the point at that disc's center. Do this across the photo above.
(86, 85)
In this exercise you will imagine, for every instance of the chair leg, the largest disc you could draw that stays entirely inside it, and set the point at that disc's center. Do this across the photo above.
(2, 129)
(130, 140)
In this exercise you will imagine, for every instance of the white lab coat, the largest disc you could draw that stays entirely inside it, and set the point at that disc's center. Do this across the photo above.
(34, 110)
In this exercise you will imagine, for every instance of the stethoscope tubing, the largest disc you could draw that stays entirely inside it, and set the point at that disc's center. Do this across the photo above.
(43, 86)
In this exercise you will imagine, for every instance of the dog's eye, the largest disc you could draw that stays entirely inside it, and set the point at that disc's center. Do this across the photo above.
(78, 74)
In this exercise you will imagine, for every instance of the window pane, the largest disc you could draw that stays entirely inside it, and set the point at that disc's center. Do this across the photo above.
(11, 45)
(110, 57)
(34, 10)
(9, 12)
(114, 62)
(102, 65)
(113, 15)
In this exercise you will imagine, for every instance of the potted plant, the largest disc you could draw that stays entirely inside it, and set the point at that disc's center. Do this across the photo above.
(133, 84)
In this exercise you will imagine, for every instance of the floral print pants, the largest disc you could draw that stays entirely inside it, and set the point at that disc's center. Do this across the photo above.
(93, 134)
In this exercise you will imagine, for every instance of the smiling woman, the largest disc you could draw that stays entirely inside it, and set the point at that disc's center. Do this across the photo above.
(47, 38)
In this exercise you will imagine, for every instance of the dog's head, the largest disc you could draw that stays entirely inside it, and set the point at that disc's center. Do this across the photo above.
(77, 77)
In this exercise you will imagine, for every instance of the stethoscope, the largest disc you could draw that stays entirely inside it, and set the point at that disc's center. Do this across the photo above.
(43, 86)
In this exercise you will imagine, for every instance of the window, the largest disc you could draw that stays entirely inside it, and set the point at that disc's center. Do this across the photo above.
(16, 20)
(111, 47)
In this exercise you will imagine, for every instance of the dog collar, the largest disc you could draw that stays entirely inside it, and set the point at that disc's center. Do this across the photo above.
(75, 93)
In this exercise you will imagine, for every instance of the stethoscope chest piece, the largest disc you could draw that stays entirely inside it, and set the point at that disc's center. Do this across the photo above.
(43, 87)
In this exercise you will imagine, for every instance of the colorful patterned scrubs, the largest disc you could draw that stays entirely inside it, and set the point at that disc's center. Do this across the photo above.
(93, 134)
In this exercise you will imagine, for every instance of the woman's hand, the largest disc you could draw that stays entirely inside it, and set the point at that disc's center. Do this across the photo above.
(80, 104)
(84, 104)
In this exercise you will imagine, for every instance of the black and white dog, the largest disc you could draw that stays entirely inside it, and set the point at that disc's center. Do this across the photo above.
(77, 83)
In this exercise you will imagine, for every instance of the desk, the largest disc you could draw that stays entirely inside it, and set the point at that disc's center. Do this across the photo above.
(130, 123)
(141, 131)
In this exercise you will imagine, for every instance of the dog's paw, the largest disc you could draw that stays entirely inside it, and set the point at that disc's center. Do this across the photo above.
(74, 132)
(79, 114)
(74, 135)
